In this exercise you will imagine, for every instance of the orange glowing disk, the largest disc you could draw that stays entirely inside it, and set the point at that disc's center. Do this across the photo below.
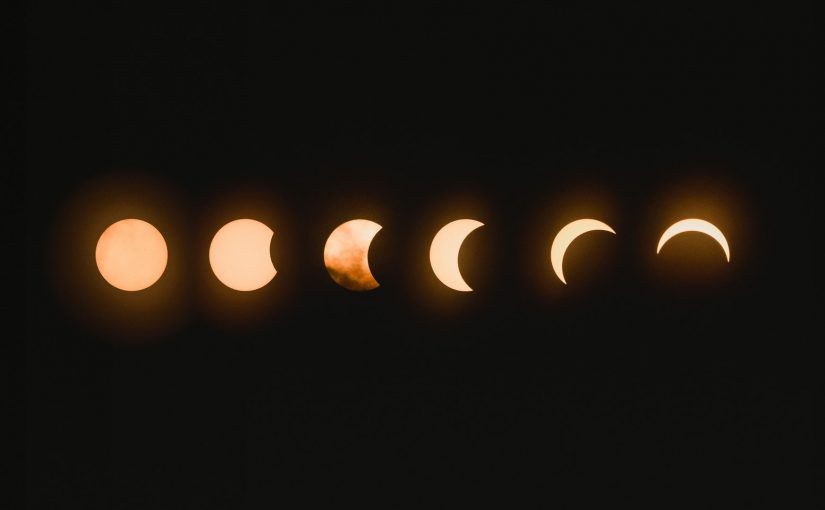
(131, 254)
(239, 255)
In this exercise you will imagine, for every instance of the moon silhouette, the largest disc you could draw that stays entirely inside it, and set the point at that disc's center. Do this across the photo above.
(444, 252)
(131, 254)
(346, 254)
(695, 225)
(566, 236)
(239, 255)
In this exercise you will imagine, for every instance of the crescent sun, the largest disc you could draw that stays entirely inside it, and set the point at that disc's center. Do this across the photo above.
(444, 252)
(566, 236)
(346, 254)
(695, 225)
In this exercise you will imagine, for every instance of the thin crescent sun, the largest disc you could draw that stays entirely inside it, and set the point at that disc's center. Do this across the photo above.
(566, 236)
(695, 225)
(444, 252)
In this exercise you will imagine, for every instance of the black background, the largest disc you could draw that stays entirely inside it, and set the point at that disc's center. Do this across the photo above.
(664, 378)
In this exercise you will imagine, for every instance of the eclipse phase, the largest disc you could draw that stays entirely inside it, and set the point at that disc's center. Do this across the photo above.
(131, 254)
(346, 254)
(239, 255)
(566, 236)
(695, 225)
(444, 252)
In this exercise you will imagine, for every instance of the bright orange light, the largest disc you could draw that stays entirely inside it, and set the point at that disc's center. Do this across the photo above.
(131, 254)
(239, 255)
(346, 254)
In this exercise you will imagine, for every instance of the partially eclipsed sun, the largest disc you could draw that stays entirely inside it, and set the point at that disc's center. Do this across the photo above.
(444, 252)
(239, 255)
(569, 234)
(695, 225)
(345, 254)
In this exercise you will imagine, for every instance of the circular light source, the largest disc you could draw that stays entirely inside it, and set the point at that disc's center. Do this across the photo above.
(131, 254)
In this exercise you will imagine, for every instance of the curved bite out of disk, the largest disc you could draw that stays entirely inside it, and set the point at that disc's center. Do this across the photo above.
(444, 252)
(239, 255)
(566, 236)
(695, 225)
(346, 254)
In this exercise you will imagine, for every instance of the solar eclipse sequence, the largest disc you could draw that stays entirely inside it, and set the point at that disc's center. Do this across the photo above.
(131, 254)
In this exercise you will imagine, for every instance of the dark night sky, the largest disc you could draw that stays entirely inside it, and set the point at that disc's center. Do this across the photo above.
(646, 379)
